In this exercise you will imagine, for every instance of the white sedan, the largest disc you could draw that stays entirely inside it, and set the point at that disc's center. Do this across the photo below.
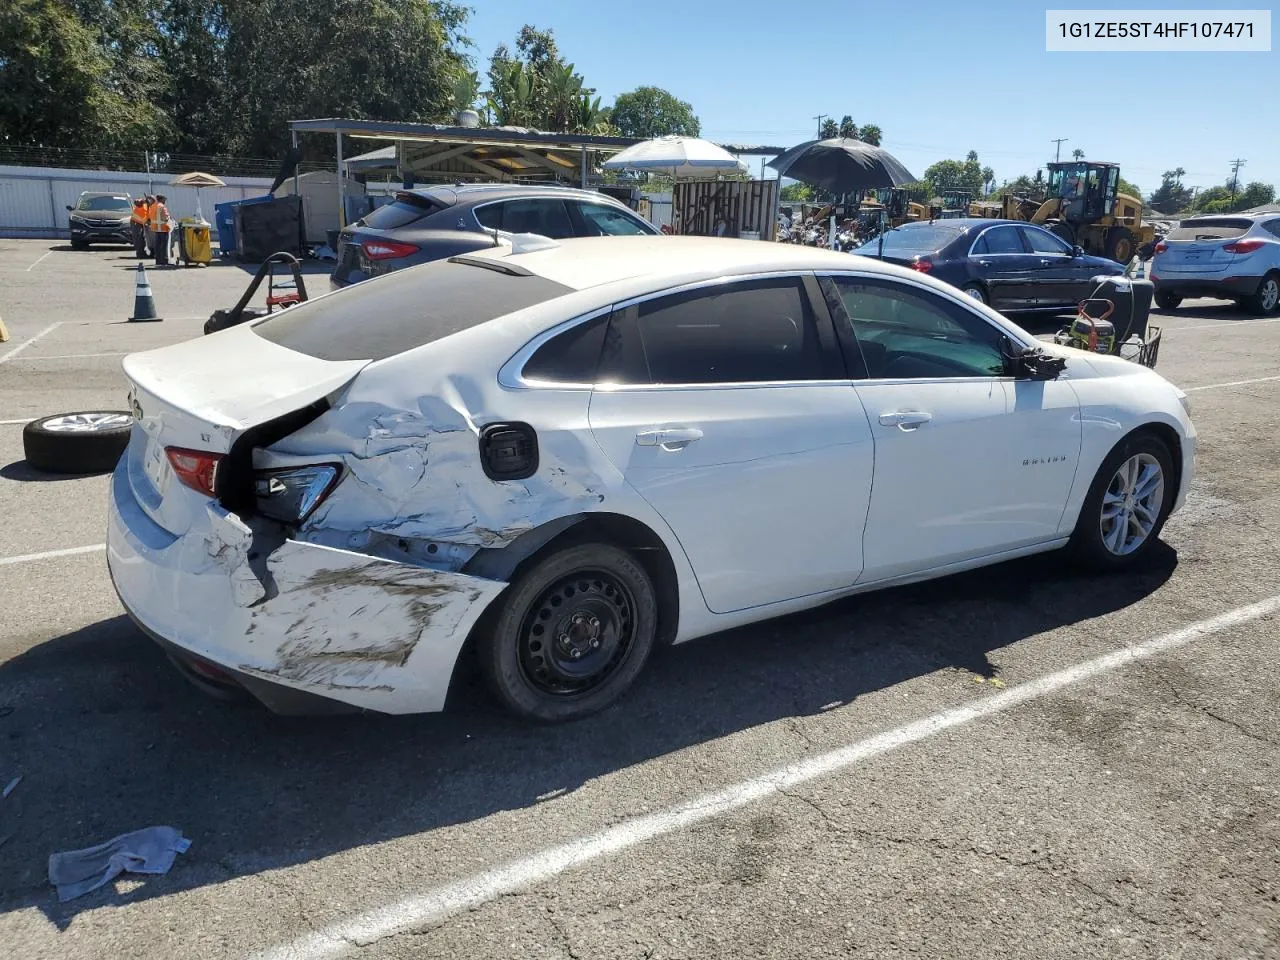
(554, 456)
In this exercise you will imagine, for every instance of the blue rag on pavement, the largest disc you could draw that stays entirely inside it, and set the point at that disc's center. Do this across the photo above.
(152, 850)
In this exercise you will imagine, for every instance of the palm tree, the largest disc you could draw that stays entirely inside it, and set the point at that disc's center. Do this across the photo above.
(1077, 154)
(870, 134)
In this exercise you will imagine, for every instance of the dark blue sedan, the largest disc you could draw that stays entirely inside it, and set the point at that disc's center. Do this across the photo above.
(1011, 266)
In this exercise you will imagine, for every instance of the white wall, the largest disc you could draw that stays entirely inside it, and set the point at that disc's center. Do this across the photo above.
(33, 200)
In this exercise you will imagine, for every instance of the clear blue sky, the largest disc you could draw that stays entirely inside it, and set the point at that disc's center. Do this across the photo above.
(940, 78)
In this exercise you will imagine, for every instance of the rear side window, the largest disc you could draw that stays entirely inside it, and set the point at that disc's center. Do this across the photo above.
(1273, 226)
(570, 357)
(399, 213)
(542, 215)
(601, 220)
(403, 310)
(754, 332)
(1210, 228)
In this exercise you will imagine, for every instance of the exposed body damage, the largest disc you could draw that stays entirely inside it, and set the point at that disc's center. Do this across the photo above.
(377, 634)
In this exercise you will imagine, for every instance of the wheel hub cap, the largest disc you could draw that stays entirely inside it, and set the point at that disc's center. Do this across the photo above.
(87, 422)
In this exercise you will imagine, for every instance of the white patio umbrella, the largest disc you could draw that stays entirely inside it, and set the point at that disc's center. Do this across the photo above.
(681, 158)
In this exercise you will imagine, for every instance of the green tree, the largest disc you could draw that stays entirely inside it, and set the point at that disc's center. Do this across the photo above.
(797, 193)
(870, 134)
(60, 84)
(1077, 154)
(1171, 196)
(1219, 199)
(848, 129)
(191, 52)
(956, 175)
(649, 112)
(287, 59)
(830, 129)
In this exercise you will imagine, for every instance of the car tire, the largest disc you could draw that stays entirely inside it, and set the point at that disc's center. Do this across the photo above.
(1168, 301)
(86, 442)
(1119, 245)
(1103, 543)
(1267, 300)
(570, 634)
(976, 291)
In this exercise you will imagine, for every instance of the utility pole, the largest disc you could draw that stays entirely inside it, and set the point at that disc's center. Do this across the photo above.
(820, 117)
(1235, 175)
(1057, 152)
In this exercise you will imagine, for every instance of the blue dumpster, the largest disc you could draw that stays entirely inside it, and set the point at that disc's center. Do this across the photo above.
(224, 218)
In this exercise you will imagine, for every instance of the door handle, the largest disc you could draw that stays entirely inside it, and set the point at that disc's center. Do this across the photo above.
(669, 438)
(1044, 263)
(984, 263)
(906, 420)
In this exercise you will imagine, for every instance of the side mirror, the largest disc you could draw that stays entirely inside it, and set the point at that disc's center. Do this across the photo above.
(1030, 363)
(70, 207)
(1077, 251)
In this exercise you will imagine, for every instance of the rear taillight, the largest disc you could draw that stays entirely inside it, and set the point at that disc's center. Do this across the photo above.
(387, 249)
(1243, 246)
(921, 264)
(195, 468)
(1161, 247)
(293, 493)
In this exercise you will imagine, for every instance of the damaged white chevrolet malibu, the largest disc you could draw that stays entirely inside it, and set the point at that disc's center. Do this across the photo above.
(555, 456)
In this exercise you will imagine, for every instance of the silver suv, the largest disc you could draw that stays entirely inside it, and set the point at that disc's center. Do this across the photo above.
(1224, 256)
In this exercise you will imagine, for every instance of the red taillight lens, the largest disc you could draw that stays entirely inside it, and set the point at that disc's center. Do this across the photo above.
(195, 468)
(387, 249)
(1161, 247)
(1243, 246)
(923, 265)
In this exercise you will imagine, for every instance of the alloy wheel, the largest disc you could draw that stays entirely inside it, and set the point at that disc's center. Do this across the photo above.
(1131, 504)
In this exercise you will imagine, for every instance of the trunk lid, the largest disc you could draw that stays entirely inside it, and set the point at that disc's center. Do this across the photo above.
(1197, 246)
(204, 395)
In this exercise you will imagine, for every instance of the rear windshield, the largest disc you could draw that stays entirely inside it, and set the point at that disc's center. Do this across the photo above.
(1210, 228)
(379, 318)
(913, 239)
(103, 203)
(399, 213)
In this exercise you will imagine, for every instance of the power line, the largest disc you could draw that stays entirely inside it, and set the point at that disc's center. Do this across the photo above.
(820, 117)
(1057, 152)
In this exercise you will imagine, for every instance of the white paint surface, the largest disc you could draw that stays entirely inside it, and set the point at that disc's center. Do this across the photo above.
(438, 903)
(38, 262)
(1232, 383)
(51, 554)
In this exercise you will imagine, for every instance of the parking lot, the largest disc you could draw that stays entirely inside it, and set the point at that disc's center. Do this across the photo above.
(972, 767)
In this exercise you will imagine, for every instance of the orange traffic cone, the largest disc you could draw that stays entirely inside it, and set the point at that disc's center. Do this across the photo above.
(144, 304)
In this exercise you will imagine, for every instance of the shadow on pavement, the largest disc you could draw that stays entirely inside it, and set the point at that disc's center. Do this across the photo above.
(23, 472)
(110, 739)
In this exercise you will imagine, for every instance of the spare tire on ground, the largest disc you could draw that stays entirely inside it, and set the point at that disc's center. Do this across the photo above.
(89, 441)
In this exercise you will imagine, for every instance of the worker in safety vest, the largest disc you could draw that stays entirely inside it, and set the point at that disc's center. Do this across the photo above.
(138, 226)
(164, 224)
(151, 225)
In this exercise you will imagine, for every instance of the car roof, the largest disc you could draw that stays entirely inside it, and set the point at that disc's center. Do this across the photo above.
(463, 192)
(584, 262)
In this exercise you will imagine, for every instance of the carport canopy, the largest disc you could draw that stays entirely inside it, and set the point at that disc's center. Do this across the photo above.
(432, 152)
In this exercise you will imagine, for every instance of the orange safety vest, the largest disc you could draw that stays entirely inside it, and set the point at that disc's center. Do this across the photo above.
(151, 214)
(162, 218)
(139, 211)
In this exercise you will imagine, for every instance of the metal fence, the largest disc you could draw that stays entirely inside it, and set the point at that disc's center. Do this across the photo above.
(731, 207)
(33, 200)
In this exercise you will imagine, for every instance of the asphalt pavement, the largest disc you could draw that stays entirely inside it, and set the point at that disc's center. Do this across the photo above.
(1016, 762)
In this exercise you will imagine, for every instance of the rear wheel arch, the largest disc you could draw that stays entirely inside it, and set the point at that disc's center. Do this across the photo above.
(637, 538)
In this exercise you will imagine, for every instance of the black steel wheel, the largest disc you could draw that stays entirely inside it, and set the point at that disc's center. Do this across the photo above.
(571, 635)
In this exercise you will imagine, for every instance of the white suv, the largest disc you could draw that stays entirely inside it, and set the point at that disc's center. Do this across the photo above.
(1227, 257)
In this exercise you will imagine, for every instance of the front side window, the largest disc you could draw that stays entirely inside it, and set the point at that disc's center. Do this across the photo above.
(600, 220)
(1042, 241)
(757, 331)
(903, 333)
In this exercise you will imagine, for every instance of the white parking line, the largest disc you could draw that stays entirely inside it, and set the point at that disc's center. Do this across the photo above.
(52, 554)
(26, 343)
(25, 420)
(37, 263)
(1232, 383)
(1222, 325)
(437, 903)
(74, 356)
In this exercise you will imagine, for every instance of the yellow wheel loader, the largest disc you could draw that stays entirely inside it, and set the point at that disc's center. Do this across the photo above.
(1084, 206)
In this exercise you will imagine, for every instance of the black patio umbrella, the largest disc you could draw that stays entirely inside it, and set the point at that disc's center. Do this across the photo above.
(842, 165)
